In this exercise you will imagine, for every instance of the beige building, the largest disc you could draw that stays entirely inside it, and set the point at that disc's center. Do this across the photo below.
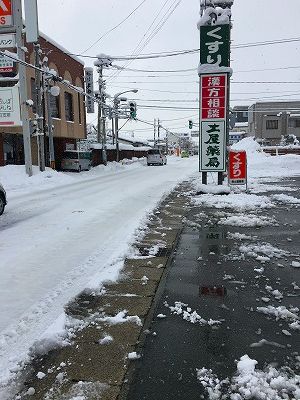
(67, 109)
(269, 121)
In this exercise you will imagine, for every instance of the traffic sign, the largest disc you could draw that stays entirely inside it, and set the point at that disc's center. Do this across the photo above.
(6, 18)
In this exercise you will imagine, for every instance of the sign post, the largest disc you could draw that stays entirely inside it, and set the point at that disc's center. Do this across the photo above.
(237, 167)
(214, 71)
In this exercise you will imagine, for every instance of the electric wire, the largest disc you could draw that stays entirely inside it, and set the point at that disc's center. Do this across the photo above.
(115, 27)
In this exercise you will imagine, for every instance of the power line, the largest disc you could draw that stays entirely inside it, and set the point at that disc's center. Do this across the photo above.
(115, 27)
(190, 51)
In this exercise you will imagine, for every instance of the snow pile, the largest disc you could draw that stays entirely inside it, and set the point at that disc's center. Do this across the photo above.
(214, 189)
(283, 313)
(239, 201)
(249, 220)
(283, 198)
(261, 164)
(121, 318)
(250, 383)
(263, 249)
(14, 177)
(188, 315)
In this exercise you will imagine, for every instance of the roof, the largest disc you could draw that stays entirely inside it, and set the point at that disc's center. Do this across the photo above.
(54, 43)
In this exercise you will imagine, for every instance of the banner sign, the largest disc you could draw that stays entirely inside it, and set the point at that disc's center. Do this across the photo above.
(89, 88)
(213, 103)
(215, 45)
(6, 18)
(10, 106)
(237, 167)
(7, 40)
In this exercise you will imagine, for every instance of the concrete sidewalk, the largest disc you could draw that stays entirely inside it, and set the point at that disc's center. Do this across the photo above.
(187, 257)
(210, 275)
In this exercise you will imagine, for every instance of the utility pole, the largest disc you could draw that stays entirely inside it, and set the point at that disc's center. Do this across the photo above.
(116, 112)
(101, 115)
(39, 108)
(158, 132)
(47, 91)
(17, 11)
(154, 133)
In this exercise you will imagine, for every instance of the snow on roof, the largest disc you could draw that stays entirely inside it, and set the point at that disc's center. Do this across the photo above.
(122, 146)
(48, 39)
(241, 124)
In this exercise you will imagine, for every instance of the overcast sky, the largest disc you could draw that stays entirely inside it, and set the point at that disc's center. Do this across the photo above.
(77, 24)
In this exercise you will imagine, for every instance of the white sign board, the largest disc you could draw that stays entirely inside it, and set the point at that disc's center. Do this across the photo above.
(212, 146)
(7, 40)
(89, 88)
(10, 106)
(31, 21)
(6, 64)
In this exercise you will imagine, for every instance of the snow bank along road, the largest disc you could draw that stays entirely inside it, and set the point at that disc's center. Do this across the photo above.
(56, 242)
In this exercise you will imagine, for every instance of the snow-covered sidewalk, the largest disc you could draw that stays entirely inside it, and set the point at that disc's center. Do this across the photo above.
(62, 233)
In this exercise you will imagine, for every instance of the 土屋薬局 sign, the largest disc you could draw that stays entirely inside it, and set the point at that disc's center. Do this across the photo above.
(6, 18)
(213, 103)
(237, 167)
(10, 106)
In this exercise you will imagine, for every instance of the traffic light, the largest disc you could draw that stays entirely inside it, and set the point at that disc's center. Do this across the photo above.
(190, 124)
(132, 109)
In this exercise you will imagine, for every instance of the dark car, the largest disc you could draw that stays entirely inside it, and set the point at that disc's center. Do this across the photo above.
(3, 201)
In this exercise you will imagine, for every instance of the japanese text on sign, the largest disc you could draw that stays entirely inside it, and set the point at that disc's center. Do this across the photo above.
(212, 143)
(89, 88)
(237, 167)
(10, 106)
(214, 45)
(213, 96)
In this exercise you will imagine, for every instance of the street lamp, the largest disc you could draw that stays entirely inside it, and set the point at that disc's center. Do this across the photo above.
(116, 113)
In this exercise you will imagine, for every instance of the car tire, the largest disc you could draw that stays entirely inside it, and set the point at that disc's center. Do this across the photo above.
(2, 205)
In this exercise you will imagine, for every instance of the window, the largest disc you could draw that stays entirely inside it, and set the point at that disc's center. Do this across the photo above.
(33, 94)
(79, 109)
(54, 106)
(69, 107)
(272, 124)
(297, 123)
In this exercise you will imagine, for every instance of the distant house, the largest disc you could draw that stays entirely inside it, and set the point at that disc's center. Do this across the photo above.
(270, 121)
(67, 109)
(241, 119)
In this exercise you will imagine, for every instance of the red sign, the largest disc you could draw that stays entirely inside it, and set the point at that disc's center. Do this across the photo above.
(237, 167)
(5, 13)
(213, 96)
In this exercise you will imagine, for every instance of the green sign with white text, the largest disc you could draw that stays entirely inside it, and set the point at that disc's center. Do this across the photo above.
(215, 45)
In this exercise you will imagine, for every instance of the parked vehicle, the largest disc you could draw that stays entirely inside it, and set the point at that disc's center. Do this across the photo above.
(184, 154)
(156, 157)
(76, 160)
(3, 200)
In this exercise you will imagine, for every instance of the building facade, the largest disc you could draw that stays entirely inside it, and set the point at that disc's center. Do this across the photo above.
(67, 109)
(270, 121)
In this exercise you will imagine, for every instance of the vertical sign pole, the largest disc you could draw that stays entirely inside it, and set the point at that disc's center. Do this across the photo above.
(17, 12)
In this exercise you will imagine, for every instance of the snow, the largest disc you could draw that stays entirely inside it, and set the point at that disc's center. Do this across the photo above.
(189, 315)
(133, 356)
(251, 383)
(73, 232)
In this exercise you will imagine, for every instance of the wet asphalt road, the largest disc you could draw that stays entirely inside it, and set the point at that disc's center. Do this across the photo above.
(204, 256)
